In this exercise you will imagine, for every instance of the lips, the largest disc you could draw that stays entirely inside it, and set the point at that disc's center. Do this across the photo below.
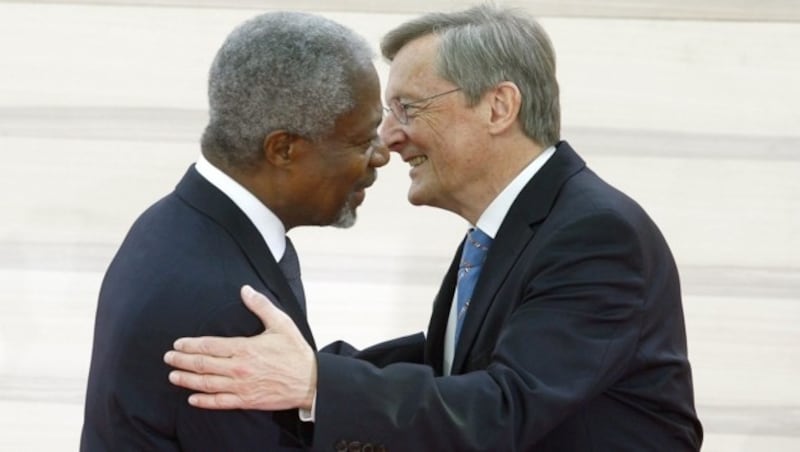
(373, 176)
(361, 191)
(358, 197)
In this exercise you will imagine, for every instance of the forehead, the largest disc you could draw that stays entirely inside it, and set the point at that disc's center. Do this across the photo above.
(363, 119)
(413, 69)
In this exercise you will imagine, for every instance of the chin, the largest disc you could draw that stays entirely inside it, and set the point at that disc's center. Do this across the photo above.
(416, 198)
(346, 218)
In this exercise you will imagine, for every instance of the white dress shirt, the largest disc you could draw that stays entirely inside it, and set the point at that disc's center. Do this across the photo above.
(267, 223)
(489, 222)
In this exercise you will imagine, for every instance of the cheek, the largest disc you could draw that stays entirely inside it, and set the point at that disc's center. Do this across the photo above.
(447, 166)
(339, 183)
(462, 157)
(443, 144)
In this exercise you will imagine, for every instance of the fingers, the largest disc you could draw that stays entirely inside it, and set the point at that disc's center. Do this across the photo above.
(263, 308)
(223, 347)
(200, 364)
(215, 401)
(212, 384)
(214, 346)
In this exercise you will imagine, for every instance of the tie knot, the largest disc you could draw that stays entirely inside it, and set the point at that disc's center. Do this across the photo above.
(289, 263)
(475, 248)
(479, 239)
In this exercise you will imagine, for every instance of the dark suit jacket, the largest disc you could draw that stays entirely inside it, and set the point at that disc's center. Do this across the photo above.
(574, 341)
(178, 273)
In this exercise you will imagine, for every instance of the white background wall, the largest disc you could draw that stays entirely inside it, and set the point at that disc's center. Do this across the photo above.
(689, 107)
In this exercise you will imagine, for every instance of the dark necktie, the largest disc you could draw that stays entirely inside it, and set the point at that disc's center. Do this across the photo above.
(290, 266)
(476, 247)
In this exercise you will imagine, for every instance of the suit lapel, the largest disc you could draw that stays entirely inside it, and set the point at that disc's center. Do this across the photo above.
(530, 209)
(209, 200)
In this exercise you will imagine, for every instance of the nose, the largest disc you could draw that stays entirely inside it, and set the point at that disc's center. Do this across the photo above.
(392, 134)
(379, 156)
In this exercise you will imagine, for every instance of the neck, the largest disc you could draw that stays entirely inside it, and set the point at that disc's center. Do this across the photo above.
(260, 183)
(515, 157)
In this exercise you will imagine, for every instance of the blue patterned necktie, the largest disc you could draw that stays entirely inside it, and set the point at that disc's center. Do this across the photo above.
(290, 266)
(476, 247)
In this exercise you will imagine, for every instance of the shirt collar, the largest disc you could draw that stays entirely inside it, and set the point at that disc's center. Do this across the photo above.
(268, 224)
(491, 218)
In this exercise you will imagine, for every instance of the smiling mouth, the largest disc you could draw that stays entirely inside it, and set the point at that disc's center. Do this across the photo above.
(417, 161)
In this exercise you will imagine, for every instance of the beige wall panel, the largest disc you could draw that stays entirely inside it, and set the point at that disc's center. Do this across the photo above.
(102, 104)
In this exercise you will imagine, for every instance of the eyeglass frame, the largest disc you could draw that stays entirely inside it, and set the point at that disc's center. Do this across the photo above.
(396, 106)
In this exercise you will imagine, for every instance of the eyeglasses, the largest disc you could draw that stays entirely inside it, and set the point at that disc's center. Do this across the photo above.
(400, 109)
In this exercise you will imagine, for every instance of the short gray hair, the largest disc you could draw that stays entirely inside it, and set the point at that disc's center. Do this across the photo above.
(280, 71)
(485, 45)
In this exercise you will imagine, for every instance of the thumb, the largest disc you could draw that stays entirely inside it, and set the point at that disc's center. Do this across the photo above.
(262, 307)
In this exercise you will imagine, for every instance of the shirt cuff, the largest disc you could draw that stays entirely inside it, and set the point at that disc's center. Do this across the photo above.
(309, 415)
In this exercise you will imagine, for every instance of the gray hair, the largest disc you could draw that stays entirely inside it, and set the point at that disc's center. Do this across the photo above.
(485, 45)
(280, 71)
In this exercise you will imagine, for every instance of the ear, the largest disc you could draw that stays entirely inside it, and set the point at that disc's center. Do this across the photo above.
(280, 147)
(505, 101)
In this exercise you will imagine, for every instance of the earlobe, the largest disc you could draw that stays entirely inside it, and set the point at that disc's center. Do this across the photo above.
(505, 100)
(279, 147)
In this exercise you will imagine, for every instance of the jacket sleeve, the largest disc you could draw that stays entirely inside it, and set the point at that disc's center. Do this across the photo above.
(408, 349)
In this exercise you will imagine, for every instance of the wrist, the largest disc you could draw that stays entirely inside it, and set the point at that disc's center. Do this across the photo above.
(311, 394)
